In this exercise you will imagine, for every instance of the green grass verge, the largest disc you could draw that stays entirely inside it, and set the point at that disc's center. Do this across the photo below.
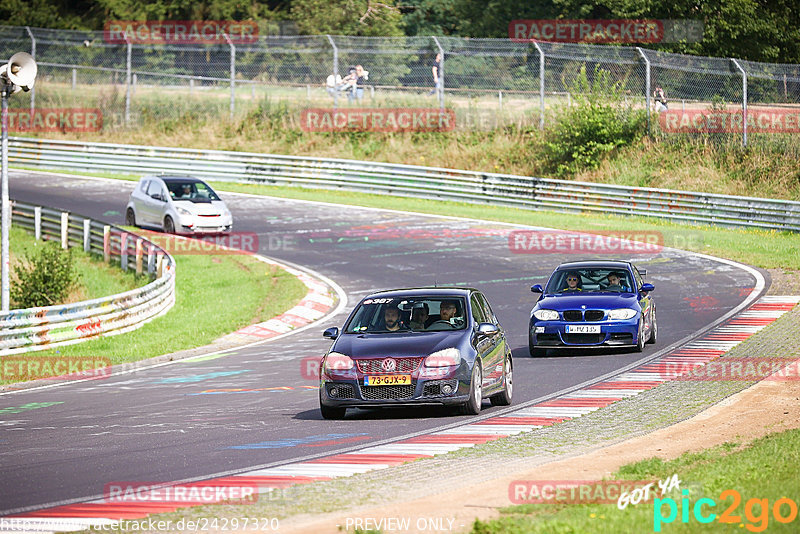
(95, 278)
(215, 295)
(766, 469)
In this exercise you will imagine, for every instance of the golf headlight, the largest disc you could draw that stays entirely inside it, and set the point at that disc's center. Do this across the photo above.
(444, 358)
(546, 315)
(338, 362)
(183, 211)
(226, 212)
(621, 313)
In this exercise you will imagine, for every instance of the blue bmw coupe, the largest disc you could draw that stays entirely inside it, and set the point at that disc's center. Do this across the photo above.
(435, 346)
(593, 304)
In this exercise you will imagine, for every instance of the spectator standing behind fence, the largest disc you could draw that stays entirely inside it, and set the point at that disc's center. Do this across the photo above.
(436, 70)
(661, 99)
(360, 76)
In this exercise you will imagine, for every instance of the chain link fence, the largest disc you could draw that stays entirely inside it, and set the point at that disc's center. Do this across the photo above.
(489, 83)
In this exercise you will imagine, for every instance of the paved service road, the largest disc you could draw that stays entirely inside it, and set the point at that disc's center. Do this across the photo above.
(177, 422)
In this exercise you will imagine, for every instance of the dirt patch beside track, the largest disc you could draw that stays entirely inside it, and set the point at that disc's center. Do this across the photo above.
(767, 407)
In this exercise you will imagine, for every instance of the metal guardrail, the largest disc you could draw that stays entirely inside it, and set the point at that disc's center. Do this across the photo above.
(33, 329)
(411, 181)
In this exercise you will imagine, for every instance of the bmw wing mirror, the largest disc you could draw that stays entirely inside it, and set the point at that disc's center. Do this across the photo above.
(647, 288)
(537, 288)
(331, 333)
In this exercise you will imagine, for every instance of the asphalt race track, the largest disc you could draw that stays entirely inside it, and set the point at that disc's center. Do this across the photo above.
(164, 423)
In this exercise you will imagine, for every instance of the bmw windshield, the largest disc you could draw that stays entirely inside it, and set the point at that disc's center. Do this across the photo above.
(590, 281)
(417, 314)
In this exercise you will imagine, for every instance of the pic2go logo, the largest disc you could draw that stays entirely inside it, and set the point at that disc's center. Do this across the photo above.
(756, 511)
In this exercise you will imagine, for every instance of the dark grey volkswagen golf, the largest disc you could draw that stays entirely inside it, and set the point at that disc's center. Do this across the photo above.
(436, 346)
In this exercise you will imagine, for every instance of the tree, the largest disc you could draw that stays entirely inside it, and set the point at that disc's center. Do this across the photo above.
(347, 17)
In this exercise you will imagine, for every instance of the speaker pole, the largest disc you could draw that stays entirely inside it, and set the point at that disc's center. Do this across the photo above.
(6, 215)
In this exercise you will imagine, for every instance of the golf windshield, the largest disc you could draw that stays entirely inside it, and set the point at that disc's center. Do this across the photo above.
(417, 314)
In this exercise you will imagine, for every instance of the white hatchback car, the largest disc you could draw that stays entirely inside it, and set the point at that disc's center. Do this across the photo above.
(178, 204)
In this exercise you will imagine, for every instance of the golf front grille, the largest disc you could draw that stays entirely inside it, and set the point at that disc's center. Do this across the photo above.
(375, 365)
(387, 392)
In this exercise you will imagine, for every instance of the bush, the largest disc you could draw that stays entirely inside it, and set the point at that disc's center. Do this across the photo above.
(598, 122)
(44, 277)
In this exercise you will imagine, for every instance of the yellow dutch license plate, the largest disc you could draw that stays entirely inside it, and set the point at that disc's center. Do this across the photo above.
(387, 380)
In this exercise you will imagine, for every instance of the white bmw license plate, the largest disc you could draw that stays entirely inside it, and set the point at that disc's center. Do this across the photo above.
(583, 329)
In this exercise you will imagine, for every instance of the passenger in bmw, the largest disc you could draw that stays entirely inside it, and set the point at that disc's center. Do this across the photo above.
(573, 282)
(391, 319)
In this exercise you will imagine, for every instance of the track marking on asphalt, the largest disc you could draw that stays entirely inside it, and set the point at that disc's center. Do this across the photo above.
(571, 405)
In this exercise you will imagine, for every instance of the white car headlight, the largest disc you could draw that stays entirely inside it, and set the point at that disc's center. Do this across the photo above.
(621, 313)
(335, 361)
(183, 211)
(444, 358)
(546, 315)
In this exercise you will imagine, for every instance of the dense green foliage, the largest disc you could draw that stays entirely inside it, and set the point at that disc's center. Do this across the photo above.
(597, 123)
(749, 29)
(44, 278)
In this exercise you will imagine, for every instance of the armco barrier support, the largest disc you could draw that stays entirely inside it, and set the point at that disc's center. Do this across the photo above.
(41, 328)
(411, 181)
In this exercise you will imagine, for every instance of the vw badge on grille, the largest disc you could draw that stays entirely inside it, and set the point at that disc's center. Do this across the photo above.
(389, 365)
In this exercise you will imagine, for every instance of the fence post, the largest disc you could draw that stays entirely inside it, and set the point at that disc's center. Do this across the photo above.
(74, 78)
(139, 251)
(128, 80)
(37, 222)
(335, 70)
(233, 73)
(106, 243)
(64, 229)
(133, 89)
(123, 251)
(646, 85)
(33, 54)
(87, 235)
(441, 75)
(541, 85)
(744, 101)
(151, 259)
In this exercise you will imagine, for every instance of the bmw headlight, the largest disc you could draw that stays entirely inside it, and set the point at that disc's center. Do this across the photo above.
(546, 315)
(183, 211)
(621, 314)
